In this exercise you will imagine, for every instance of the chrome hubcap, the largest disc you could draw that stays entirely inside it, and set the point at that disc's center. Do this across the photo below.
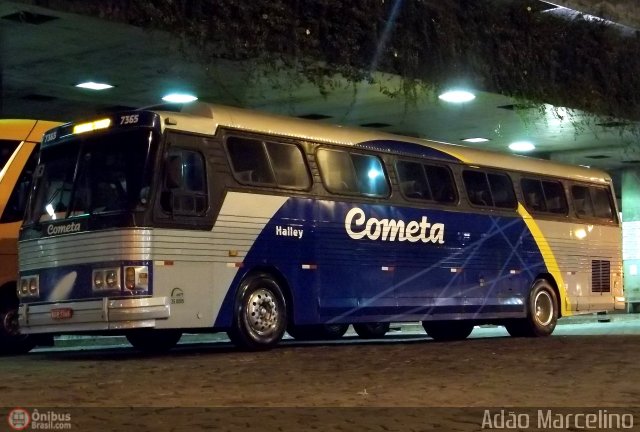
(543, 308)
(262, 314)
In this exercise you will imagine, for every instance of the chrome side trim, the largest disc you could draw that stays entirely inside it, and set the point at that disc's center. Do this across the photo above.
(95, 315)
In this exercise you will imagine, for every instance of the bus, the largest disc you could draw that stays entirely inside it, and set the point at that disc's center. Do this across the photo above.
(18, 144)
(154, 223)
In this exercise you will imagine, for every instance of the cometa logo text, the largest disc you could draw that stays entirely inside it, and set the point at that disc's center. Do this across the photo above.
(63, 229)
(358, 227)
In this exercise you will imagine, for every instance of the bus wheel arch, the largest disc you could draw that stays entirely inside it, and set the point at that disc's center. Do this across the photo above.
(445, 331)
(543, 310)
(260, 310)
(372, 330)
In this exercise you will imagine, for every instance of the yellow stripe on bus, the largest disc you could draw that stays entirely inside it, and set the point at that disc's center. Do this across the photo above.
(548, 256)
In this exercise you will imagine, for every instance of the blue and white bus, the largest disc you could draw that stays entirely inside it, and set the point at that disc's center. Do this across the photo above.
(154, 223)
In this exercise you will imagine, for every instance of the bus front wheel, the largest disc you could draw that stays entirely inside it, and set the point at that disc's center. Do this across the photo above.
(542, 313)
(371, 330)
(441, 331)
(260, 314)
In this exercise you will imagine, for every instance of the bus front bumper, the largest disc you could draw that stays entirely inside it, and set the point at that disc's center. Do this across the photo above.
(93, 315)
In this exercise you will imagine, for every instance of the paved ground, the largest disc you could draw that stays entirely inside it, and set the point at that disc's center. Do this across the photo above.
(406, 382)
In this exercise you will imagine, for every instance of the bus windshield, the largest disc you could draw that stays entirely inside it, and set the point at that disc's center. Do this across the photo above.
(93, 175)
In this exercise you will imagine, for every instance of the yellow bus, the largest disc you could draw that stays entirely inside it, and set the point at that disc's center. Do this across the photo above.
(19, 140)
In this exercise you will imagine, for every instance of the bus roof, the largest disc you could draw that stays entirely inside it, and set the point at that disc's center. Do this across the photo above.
(24, 130)
(206, 118)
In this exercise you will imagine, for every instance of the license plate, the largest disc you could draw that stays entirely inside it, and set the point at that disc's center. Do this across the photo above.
(60, 314)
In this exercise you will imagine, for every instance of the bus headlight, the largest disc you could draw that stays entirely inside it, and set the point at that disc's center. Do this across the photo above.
(106, 279)
(98, 279)
(111, 278)
(29, 286)
(33, 286)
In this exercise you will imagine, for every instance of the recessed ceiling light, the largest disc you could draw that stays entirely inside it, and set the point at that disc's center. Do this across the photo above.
(179, 98)
(94, 85)
(522, 146)
(475, 140)
(457, 96)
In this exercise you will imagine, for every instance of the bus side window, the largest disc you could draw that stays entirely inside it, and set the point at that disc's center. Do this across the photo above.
(337, 171)
(582, 201)
(370, 175)
(288, 164)
(15, 208)
(413, 182)
(249, 161)
(441, 182)
(185, 191)
(502, 191)
(477, 188)
(602, 203)
(533, 194)
(556, 200)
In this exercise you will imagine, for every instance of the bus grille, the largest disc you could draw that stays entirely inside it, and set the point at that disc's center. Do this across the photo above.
(600, 276)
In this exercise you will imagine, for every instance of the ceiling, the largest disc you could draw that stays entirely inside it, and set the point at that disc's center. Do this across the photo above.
(45, 53)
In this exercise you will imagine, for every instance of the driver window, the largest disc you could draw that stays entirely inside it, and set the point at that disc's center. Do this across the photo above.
(185, 190)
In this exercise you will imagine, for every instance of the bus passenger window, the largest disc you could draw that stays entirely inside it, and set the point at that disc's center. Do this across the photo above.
(441, 182)
(582, 201)
(602, 203)
(370, 174)
(337, 172)
(555, 197)
(7, 147)
(288, 165)
(248, 156)
(502, 191)
(413, 182)
(533, 195)
(15, 208)
(477, 188)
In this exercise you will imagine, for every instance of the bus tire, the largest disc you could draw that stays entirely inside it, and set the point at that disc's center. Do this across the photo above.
(11, 341)
(154, 340)
(371, 330)
(260, 314)
(318, 332)
(442, 331)
(542, 312)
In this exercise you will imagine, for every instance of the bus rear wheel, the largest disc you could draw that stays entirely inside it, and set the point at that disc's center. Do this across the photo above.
(260, 314)
(542, 313)
(154, 340)
(441, 331)
(318, 332)
(371, 330)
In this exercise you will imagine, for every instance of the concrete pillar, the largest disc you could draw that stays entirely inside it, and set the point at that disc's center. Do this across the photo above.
(631, 236)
